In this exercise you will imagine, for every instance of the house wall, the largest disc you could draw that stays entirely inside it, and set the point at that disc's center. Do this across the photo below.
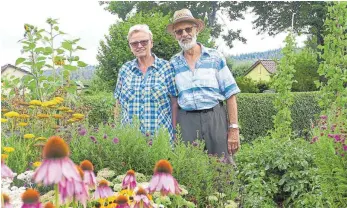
(259, 73)
(12, 71)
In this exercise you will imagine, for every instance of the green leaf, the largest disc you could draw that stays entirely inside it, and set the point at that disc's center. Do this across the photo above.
(71, 68)
(31, 46)
(81, 64)
(39, 50)
(56, 28)
(19, 61)
(66, 45)
(41, 58)
(80, 48)
(60, 51)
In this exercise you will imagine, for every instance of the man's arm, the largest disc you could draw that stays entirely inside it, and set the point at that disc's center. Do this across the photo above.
(174, 110)
(233, 133)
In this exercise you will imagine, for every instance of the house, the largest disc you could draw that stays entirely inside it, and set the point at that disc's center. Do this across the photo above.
(9, 70)
(261, 70)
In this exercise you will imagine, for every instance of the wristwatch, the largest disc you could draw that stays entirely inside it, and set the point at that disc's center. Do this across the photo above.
(233, 126)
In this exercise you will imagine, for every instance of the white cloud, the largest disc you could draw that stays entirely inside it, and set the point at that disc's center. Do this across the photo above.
(90, 22)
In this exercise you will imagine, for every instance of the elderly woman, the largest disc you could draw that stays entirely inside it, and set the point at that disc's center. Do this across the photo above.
(145, 86)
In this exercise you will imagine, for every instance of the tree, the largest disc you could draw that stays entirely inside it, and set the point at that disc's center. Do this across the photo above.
(276, 17)
(205, 10)
(306, 74)
(115, 51)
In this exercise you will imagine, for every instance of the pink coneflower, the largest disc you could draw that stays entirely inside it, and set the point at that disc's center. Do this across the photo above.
(344, 147)
(74, 189)
(56, 165)
(163, 180)
(122, 202)
(141, 199)
(93, 139)
(6, 200)
(115, 140)
(105, 136)
(6, 172)
(49, 205)
(129, 181)
(82, 131)
(89, 176)
(31, 199)
(103, 190)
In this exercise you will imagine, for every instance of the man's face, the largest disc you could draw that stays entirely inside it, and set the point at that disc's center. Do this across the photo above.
(185, 34)
(140, 44)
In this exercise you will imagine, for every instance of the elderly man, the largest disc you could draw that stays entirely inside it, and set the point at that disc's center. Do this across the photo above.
(203, 81)
(145, 86)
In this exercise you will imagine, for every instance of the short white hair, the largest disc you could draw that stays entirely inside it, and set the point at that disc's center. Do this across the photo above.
(138, 28)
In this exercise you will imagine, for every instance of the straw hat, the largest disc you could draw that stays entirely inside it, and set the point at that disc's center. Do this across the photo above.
(184, 15)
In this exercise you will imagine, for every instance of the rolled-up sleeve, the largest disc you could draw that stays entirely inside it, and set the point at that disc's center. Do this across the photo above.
(226, 80)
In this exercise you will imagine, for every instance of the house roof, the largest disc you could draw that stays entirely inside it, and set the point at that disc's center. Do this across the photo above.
(3, 68)
(269, 65)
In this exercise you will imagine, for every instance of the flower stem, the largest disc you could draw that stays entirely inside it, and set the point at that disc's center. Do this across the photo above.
(56, 195)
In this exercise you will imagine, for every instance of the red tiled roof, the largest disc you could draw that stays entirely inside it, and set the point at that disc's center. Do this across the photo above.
(269, 65)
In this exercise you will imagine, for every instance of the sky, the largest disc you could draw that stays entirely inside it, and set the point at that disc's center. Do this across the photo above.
(90, 22)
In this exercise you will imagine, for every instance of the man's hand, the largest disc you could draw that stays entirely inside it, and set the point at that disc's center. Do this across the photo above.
(233, 140)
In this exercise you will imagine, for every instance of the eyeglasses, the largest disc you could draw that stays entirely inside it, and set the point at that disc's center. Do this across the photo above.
(187, 29)
(136, 43)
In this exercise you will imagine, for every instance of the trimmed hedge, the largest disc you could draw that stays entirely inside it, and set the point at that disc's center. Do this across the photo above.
(255, 111)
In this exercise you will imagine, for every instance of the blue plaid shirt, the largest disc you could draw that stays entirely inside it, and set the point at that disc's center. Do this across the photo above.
(146, 96)
(209, 83)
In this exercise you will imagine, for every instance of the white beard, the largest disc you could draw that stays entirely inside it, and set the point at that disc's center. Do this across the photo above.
(189, 45)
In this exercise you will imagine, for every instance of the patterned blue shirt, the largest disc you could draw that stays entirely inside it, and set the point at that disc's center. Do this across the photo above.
(146, 96)
(209, 83)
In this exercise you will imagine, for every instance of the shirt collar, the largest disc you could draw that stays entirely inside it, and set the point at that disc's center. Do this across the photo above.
(155, 65)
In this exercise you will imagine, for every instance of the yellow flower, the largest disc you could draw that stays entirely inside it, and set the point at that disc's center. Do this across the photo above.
(35, 102)
(4, 110)
(31, 106)
(59, 99)
(36, 164)
(77, 116)
(69, 111)
(11, 114)
(63, 108)
(71, 120)
(49, 103)
(24, 116)
(22, 124)
(29, 136)
(3, 120)
(57, 116)
(42, 116)
(8, 149)
(40, 138)
(4, 156)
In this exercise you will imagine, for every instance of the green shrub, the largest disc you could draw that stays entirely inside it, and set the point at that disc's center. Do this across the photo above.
(278, 172)
(256, 110)
(247, 85)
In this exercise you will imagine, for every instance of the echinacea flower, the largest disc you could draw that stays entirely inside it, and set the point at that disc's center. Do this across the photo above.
(89, 176)
(31, 199)
(74, 189)
(122, 201)
(162, 179)
(129, 181)
(8, 149)
(49, 205)
(82, 131)
(103, 190)
(11, 114)
(115, 140)
(141, 199)
(56, 165)
(6, 201)
(29, 136)
(6, 172)
(22, 124)
(35, 102)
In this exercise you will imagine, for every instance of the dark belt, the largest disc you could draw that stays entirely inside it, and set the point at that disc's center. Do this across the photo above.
(201, 111)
